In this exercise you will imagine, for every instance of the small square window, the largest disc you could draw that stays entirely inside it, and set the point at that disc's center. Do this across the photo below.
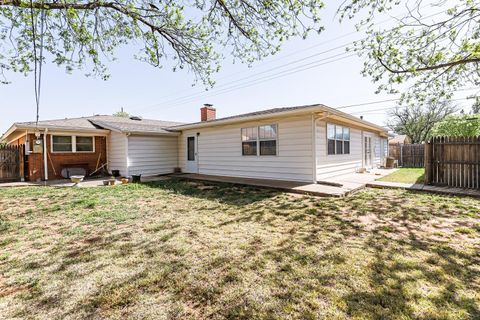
(84, 144)
(62, 144)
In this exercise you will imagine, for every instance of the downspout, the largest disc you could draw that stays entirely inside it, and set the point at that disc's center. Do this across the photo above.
(106, 151)
(314, 143)
(314, 148)
(45, 162)
(127, 153)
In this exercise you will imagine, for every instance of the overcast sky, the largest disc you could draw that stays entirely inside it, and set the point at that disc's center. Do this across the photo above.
(298, 75)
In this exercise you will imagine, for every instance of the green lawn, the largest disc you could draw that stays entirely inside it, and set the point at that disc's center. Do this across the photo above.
(176, 250)
(406, 175)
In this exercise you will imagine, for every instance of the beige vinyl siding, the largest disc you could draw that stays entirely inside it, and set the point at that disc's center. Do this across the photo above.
(152, 155)
(329, 166)
(220, 151)
(117, 152)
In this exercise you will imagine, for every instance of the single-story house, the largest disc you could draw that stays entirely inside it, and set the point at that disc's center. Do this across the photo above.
(130, 145)
(305, 143)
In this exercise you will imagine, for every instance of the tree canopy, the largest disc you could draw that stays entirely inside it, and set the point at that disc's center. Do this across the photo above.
(430, 52)
(418, 121)
(465, 125)
(427, 55)
(121, 114)
(192, 35)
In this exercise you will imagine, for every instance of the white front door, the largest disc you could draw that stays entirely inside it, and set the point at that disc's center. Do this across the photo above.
(192, 166)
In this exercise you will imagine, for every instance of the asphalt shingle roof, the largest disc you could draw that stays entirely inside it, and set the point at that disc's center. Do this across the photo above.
(108, 122)
(258, 113)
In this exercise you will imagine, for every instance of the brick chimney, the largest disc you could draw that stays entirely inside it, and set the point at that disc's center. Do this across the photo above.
(208, 112)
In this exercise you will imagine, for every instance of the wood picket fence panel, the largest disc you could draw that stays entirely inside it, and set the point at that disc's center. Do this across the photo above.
(453, 162)
(11, 163)
(408, 155)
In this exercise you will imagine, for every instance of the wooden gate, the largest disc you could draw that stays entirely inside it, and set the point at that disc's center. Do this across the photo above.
(408, 155)
(11, 163)
(453, 162)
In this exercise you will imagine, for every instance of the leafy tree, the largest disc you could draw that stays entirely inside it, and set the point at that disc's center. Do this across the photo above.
(417, 122)
(192, 35)
(466, 125)
(432, 54)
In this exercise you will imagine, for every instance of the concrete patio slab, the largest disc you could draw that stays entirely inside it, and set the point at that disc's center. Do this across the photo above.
(288, 186)
(347, 183)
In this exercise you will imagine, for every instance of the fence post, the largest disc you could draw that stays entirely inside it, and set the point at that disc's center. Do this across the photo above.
(401, 155)
(21, 155)
(427, 164)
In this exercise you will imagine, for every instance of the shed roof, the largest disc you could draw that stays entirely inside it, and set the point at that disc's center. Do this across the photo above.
(401, 138)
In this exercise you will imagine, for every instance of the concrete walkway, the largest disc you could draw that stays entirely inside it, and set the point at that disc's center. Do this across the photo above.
(336, 187)
(425, 188)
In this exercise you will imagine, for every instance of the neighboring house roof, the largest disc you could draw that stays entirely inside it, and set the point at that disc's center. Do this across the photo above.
(401, 138)
(279, 112)
(99, 122)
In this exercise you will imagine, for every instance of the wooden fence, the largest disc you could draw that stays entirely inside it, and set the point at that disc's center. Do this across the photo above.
(11, 163)
(453, 162)
(408, 155)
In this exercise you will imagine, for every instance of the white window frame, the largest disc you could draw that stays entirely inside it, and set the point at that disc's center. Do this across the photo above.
(257, 128)
(335, 139)
(74, 143)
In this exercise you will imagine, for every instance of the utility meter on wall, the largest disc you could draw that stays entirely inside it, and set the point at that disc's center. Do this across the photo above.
(37, 146)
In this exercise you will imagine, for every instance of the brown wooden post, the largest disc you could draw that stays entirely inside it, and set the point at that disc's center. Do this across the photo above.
(427, 165)
(22, 162)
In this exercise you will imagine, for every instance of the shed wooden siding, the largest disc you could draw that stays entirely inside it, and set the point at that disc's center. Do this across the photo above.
(117, 153)
(152, 155)
(329, 166)
(220, 151)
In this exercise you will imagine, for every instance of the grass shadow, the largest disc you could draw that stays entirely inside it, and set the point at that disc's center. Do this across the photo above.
(225, 193)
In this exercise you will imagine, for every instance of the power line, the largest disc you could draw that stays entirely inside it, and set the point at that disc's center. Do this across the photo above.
(388, 108)
(206, 93)
(266, 71)
(261, 80)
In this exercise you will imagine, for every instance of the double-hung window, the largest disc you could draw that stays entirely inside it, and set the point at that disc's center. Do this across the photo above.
(259, 141)
(72, 144)
(338, 139)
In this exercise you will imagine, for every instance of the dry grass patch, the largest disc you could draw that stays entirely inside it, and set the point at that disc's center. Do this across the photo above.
(176, 250)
